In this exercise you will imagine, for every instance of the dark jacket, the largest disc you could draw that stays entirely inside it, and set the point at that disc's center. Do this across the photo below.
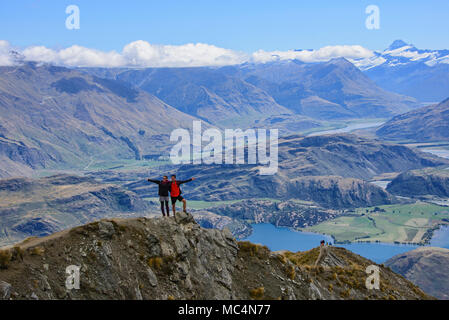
(164, 187)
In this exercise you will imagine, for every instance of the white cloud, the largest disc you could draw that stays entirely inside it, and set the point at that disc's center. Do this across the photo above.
(137, 54)
(323, 54)
(75, 56)
(6, 58)
(143, 54)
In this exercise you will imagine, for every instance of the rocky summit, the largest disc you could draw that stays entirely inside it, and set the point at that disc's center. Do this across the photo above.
(174, 258)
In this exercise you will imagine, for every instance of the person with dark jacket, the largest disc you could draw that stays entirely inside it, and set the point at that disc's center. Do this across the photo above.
(164, 188)
(175, 193)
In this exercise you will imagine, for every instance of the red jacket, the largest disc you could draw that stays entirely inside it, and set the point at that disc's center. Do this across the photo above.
(175, 190)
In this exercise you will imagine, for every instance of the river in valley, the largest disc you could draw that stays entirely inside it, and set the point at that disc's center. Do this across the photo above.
(349, 128)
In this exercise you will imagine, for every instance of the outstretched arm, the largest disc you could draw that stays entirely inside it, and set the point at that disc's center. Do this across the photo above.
(185, 181)
(154, 181)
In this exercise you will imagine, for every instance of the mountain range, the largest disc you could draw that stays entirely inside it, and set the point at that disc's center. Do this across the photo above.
(54, 116)
(253, 91)
(389, 82)
(405, 69)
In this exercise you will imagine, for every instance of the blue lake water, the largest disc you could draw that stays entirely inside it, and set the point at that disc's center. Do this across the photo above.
(281, 238)
(378, 252)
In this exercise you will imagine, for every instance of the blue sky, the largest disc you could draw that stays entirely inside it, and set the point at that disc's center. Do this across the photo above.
(239, 25)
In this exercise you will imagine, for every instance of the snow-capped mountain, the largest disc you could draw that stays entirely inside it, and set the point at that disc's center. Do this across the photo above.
(404, 69)
(401, 53)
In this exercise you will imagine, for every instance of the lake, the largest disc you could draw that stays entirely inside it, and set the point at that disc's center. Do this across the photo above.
(282, 238)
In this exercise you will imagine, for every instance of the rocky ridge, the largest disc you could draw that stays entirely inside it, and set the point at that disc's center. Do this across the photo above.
(174, 258)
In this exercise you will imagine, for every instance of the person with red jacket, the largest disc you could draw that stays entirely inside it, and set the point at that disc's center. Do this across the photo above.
(175, 193)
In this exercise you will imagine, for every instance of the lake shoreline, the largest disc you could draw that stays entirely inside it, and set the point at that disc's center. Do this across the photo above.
(426, 242)
(279, 238)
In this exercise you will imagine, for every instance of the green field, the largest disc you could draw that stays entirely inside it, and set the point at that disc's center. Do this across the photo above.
(391, 223)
